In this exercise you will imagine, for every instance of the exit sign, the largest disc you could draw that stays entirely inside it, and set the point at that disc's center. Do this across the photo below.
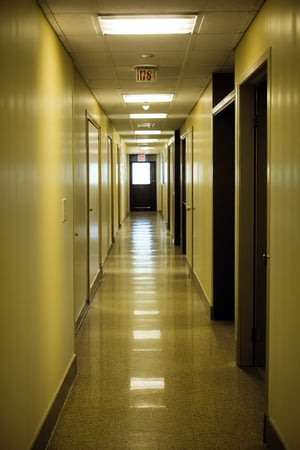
(141, 157)
(146, 74)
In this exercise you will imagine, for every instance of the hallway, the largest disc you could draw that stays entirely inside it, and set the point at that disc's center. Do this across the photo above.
(153, 371)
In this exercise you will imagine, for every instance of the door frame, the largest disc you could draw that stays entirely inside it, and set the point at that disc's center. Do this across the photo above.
(188, 204)
(91, 289)
(244, 217)
(111, 213)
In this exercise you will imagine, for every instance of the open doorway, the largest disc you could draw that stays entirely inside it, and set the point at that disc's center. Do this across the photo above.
(252, 219)
(223, 211)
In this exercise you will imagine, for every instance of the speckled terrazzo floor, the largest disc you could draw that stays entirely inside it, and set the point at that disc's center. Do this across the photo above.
(154, 372)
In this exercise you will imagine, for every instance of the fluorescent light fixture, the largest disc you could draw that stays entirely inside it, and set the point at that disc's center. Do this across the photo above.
(141, 141)
(159, 24)
(148, 98)
(148, 116)
(143, 132)
(146, 148)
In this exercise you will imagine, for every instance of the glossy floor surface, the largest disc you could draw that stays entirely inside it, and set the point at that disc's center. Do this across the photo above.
(153, 371)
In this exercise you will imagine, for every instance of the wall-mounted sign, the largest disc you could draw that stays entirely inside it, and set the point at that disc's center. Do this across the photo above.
(146, 74)
(141, 157)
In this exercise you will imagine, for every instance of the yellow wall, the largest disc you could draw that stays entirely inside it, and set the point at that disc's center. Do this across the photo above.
(36, 330)
(201, 122)
(278, 27)
(43, 160)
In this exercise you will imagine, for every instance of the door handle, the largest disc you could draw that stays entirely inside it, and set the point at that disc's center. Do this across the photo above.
(187, 207)
(266, 257)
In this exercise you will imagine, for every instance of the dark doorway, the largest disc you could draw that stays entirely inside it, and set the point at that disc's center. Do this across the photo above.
(142, 186)
(183, 196)
(223, 213)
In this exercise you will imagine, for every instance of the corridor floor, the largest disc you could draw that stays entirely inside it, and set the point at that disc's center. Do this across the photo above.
(154, 372)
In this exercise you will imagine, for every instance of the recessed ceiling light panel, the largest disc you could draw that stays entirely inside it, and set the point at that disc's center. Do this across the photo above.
(160, 24)
(148, 116)
(141, 132)
(148, 98)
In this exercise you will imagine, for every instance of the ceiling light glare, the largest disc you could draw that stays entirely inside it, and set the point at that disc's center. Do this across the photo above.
(148, 98)
(147, 383)
(132, 25)
(148, 116)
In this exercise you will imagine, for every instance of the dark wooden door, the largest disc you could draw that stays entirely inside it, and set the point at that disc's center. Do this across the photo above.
(143, 186)
(183, 198)
(260, 223)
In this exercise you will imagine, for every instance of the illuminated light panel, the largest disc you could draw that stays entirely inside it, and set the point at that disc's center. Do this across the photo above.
(142, 141)
(148, 98)
(133, 25)
(147, 383)
(148, 116)
(143, 132)
(150, 312)
(146, 334)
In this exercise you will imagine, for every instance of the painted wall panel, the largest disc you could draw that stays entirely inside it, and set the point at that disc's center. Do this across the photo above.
(42, 120)
(36, 330)
(201, 122)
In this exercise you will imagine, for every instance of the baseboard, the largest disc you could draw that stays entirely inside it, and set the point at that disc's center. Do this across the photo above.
(201, 293)
(81, 318)
(271, 436)
(96, 284)
(49, 423)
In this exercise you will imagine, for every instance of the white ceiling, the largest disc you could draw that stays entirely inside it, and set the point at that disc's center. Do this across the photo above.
(185, 62)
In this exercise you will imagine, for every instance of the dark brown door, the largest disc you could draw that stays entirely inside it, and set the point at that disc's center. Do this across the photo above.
(143, 186)
(183, 198)
(260, 221)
